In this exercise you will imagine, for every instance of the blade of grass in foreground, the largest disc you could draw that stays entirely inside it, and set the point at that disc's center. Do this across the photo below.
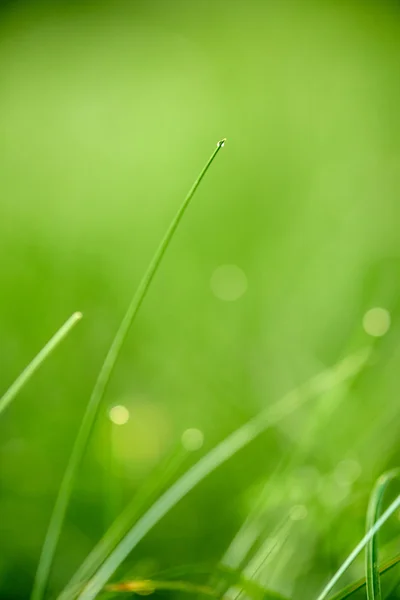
(33, 366)
(371, 555)
(148, 493)
(220, 454)
(360, 546)
(64, 493)
(353, 588)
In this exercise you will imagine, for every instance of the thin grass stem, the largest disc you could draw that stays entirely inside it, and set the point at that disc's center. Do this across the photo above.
(353, 588)
(360, 547)
(371, 554)
(81, 441)
(147, 494)
(39, 359)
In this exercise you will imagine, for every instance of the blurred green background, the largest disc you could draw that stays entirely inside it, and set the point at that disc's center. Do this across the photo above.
(108, 111)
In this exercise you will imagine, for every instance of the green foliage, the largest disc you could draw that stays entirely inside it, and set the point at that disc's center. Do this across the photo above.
(287, 263)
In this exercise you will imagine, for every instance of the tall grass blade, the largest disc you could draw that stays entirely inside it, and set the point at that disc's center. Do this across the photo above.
(360, 546)
(371, 555)
(64, 494)
(216, 457)
(33, 366)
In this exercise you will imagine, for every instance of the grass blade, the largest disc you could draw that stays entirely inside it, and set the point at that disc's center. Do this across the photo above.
(33, 366)
(64, 494)
(360, 546)
(216, 457)
(145, 496)
(371, 556)
(351, 589)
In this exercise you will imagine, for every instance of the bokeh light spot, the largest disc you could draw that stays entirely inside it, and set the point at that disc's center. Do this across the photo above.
(330, 493)
(119, 414)
(347, 471)
(228, 282)
(192, 439)
(298, 512)
(376, 321)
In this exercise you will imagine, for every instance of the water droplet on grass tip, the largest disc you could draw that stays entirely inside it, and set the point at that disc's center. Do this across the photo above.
(221, 143)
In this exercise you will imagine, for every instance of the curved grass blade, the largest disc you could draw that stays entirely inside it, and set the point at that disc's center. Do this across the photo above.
(145, 496)
(33, 366)
(351, 589)
(216, 457)
(64, 494)
(371, 556)
(360, 546)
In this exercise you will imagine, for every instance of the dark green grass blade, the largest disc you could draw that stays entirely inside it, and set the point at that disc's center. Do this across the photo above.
(353, 588)
(39, 359)
(219, 455)
(371, 556)
(64, 494)
(360, 547)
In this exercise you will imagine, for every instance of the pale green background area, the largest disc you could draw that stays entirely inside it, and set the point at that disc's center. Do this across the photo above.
(108, 111)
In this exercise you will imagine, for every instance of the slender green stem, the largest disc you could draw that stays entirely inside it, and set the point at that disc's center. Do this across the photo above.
(216, 457)
(351, 589)
(360, 546)
(27, 373)
(371, 555)
(64, 494)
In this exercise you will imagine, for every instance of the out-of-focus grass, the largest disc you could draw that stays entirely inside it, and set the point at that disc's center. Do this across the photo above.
(10, 394)
(106, 110)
